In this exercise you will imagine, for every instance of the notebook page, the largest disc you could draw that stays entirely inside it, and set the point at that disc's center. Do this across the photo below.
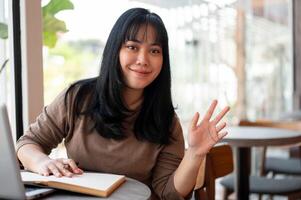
(98, 181)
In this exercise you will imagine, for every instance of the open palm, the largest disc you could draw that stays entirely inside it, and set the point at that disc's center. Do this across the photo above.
(204, 135)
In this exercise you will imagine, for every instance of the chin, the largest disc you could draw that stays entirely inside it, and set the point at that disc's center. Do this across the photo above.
(139, 83)
(138, 86)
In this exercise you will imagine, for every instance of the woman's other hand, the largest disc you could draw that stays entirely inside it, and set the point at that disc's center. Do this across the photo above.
(205, 134)
(58, 167)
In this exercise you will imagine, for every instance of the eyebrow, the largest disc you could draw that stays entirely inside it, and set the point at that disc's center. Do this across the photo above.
(140, 42)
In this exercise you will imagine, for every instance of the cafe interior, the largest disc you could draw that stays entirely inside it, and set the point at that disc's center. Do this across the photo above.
(244, 53)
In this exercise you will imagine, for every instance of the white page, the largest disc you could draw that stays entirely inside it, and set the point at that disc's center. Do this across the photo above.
(98, 181)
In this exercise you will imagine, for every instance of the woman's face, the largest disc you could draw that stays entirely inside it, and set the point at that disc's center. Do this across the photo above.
(141, 59)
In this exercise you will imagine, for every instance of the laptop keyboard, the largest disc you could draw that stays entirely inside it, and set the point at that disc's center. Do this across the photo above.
(29, 188)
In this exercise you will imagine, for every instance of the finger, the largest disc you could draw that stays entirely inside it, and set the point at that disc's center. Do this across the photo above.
(73, 166)
(63, 169)
(210, 110)
(220, 127)
(222, 134)
(221, 114)
(194, 121)
(44, 171)
(53, 169)
(80, 171)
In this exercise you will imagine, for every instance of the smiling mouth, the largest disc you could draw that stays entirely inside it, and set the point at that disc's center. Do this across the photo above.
(142, 72)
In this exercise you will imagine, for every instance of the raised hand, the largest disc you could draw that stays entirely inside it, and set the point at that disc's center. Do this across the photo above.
(58, 167)
(205, 134)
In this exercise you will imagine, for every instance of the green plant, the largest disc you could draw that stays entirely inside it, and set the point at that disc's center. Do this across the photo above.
(3, 31)
(3, 35)
(51, 25)
(3, 65)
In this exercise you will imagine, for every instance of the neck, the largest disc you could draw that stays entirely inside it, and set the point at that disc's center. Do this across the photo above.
(132, 97)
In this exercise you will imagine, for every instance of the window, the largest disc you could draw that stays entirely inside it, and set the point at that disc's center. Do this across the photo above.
(269, 65)
(21, 94)
(3, 51)
(6, 76)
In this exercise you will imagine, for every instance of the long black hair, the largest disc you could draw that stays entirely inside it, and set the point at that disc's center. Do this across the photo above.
(106, 105)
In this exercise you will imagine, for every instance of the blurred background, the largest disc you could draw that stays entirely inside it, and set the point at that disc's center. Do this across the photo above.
(239, 52)
(242, 52)
(236, 51)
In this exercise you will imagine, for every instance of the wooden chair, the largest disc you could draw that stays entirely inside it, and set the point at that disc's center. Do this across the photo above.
(218, 163)
(290, 187)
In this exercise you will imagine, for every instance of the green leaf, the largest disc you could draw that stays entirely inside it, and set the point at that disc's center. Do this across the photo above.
(49, 39)
(55, 6)
(51, 25)
(3, 31)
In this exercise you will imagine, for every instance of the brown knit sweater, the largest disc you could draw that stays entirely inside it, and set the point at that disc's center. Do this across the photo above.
(147, 162)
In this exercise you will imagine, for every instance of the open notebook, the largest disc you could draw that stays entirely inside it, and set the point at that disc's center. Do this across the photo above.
(97, 184)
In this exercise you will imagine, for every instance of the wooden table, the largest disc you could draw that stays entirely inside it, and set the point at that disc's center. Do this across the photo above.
(131, 189)
(242, 138)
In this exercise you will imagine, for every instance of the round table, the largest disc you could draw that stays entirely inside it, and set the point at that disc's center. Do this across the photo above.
(129, 190)
(242, 138)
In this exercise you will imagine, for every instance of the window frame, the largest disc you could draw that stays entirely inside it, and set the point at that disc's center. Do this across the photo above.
(26, 63)
(296, 18)
(32, 59)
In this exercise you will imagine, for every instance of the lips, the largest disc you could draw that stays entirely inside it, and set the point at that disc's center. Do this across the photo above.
(140, 71)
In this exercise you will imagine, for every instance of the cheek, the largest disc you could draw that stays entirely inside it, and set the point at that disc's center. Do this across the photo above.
(122, 59)
(158, 65)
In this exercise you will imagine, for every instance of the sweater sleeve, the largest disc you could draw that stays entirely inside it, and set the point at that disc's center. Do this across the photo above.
(50, 127)
(167, 163)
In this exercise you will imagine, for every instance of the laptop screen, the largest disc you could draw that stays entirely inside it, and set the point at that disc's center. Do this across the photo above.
(13, 188)
(11, 183)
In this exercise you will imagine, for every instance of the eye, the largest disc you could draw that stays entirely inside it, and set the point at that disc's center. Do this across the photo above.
(131, 47)
(156, 51)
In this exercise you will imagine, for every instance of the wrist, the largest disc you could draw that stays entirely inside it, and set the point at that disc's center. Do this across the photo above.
(35, 164)
(196, 152)
(193, 156)
(31, 156)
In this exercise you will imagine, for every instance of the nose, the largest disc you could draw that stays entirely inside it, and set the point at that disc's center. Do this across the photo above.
(142, 58)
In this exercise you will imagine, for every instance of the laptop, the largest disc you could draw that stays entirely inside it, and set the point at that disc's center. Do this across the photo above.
(11, 185)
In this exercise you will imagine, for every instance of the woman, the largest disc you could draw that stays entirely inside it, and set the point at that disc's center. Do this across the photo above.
(123, 121)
